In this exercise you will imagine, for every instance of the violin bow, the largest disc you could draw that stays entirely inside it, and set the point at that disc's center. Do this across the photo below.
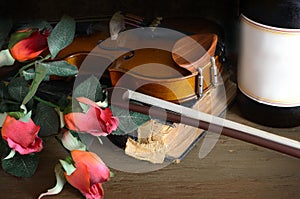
(125, 98)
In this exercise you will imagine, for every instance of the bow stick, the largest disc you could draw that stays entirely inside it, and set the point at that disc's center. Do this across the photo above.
(124, 98)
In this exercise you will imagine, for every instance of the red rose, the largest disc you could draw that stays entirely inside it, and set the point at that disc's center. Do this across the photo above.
(89, 175)
(96, 121)
(21, 136)
(28, 44)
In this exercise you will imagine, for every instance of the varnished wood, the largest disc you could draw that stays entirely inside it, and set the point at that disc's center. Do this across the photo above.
(83, 44)
(154, 80)
(195, 50)
(165, 74)
(153, 72)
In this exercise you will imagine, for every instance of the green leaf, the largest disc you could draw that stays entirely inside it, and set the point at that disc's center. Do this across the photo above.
(84, 107)
(60, 68)
(68, 167)
(71, 142)
(72, 107)
(30, 104)
(26, 118)
(90, 88)
(18, 88)
(40, 73)
(16, 114)
(62, 35)
(111, 174)
(47, 118)
(3, 90)
(21, 165)
(129, 120)
(29, 74)
(63, 102)
(6, 106)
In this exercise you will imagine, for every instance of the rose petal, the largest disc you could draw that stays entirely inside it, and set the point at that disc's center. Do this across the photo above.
(30, 47)
(80, 178)
(23, 133)
(95, 121)
(21, 136)
(36, 147)
(85, 122)
(96, 192)
(99, 172)
(111, 122)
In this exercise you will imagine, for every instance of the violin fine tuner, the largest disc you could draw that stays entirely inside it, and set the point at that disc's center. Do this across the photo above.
(213, 72)
(200, 82)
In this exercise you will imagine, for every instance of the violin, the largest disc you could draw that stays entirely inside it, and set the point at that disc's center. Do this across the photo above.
(156, 72)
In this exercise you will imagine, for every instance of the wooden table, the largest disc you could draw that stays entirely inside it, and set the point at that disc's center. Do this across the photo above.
(234, 169)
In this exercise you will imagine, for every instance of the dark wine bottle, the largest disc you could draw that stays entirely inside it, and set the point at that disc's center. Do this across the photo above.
(268, 65)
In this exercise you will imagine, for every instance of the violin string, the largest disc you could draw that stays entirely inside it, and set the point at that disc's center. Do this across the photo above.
(133, 20)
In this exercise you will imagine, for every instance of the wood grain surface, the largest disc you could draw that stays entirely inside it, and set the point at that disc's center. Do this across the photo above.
(233, 169)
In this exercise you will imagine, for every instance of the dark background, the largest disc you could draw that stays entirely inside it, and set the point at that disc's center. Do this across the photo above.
(54, 9)
(223, 12)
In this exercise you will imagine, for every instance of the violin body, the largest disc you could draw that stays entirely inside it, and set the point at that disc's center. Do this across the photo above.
(154, 72)
(172, 76)
(195, 50)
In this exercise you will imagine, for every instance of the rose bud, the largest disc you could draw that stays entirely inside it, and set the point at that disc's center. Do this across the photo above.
(21, 136)
(28, 44)
(89, 174)
(96, 121)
